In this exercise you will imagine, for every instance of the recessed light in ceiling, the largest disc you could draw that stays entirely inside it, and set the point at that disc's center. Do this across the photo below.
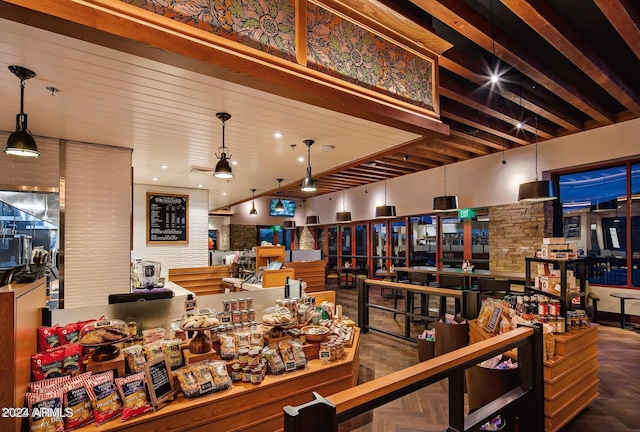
(300, 158)
(234, 162)
(156, 179)
(224, 193)
(278, 134)
(200, 186)
(164, 166)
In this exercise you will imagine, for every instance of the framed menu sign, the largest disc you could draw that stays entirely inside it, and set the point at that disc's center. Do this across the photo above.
(167, 218)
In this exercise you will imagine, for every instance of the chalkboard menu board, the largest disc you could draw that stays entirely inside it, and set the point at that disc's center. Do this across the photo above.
(159, 380)
(167, 218)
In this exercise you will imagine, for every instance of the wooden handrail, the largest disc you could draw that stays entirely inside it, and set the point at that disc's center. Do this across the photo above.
(418, 289)
(324, 414)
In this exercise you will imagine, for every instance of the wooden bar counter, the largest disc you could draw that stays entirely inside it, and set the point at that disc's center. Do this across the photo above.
(246, 406)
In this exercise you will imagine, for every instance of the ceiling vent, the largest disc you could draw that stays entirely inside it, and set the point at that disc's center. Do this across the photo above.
(326, 147)
(200, 169)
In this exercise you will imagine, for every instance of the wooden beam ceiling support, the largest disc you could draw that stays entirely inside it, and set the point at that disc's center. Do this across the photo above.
(483, 138)
(463, 19)
(624, 19)
(541, 17)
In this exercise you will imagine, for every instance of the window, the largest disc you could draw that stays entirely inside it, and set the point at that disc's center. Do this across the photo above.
(422, 242)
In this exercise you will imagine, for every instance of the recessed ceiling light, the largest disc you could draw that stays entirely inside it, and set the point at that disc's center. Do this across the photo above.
(494, 78)
(519, 125)
(224, 193)
(234, 162)
(156, 179)
(200, 186)
(164, 166)
(278, 134)
(300, 158)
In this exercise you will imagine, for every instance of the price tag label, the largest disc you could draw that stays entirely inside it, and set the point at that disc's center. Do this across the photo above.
(325, 356)
(190, 304)
(290, 366)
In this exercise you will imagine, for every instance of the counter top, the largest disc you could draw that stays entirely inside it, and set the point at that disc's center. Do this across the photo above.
(239, 283)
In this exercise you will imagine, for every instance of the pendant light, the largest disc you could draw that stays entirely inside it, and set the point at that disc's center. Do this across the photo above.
(279, 205)
(343, 216)
(253, 211)
(313, 220)
(537, 190)
(223, 168)
(309, 183)
(289, 224)
(446, 202)
(385, 211)
(21, 142)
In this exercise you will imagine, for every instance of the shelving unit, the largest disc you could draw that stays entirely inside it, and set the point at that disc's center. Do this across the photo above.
(566, 295)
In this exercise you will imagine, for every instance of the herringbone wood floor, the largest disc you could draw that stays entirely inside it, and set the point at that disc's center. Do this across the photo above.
(616, 410)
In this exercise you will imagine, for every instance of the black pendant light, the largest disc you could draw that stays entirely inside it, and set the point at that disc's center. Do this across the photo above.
(279, 205)
(537, 190)
(312, 220)
(289, 224)
(385, 211)
(446, 202)
(343, 216)
(21, 142)
(223, 168)
(253, 211)
(309, 183)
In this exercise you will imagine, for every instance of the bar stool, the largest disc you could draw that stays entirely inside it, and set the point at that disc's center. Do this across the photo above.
(452, 282)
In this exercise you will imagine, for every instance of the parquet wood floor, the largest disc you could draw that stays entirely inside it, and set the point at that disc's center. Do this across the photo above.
(616, 410)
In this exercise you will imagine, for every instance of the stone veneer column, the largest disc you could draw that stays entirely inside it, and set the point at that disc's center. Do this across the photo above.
(515, 232)
(306, 239)
(242, 237)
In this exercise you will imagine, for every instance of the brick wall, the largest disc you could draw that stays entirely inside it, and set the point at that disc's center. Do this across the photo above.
(242, 237)
(515, 232)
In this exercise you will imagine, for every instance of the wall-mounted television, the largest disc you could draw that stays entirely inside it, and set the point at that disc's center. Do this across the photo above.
(289, 208)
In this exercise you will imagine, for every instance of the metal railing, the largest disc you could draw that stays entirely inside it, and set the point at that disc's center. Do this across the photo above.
(324, 414)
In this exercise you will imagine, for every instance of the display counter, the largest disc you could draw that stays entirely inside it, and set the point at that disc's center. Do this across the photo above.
(246, 406)
(570, 376)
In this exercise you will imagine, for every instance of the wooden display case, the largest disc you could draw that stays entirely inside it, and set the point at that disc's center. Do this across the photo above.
(566, 295)
(570, 377)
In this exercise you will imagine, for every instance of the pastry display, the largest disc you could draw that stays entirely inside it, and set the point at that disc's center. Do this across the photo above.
(103, 332)
(277, 316)
(199, 319)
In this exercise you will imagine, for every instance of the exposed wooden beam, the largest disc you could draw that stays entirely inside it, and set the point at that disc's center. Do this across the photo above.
(624, 19)
(541, 17)
(463, 19)
(483, 138)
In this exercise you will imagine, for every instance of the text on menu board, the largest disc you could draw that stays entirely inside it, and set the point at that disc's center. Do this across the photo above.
(167, 218)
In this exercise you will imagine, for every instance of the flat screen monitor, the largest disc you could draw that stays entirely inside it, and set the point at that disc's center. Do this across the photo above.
(289, 208)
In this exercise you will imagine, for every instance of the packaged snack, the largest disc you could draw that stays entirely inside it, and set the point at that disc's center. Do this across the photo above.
(153, 351)
(48, 338)
(299, 356)
(48, 384)
(134, 397)
(228, 347)
(256, 338)
(286, 352)
(195, 380)
(68, 334)
(152, 335)
(76, 401)
(243, 340)
(105, 399)
(221, 378)
(274, 361)
(134, 357)
(46, 411)
(72, 363)
(46, 365)
(171, 350)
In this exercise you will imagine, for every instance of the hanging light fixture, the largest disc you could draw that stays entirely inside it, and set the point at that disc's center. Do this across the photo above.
(385, 211)
(313, 220)
(343, 216)
(309, 183)
(289, 224)
(253, 211)
(223, 168)
(446, 202)
(537, 190)
(21, 142)
(279, 205)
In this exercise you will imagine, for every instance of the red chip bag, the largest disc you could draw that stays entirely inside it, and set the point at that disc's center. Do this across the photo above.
(48, 338)
(104, 397)
(46, 411)
(47, 365)
(72, 364)
(68, 334)
(134, 396)
(77, 404)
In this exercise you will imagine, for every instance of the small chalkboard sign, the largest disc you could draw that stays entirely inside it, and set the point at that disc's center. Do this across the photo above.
(159, 380)
(167, 218)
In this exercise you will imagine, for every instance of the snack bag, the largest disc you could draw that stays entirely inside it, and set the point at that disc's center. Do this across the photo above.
(76, 401)
(46, 411)
(256, 339)
(153, 351)
(243, 340)
(171, 350)
(221, 378)
(72, 363)
(48, 338)
(104, 397)
(134, 356)
(299, 356)
(274, 361)
(68, 334)
(134, 397)
(228, 347)
(46, 365)
(44, 386)
(195, 380)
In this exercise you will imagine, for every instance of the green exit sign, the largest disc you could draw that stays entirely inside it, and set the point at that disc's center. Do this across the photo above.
(466, 213)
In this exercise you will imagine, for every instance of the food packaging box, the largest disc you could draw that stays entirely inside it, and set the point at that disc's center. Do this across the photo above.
(553, 240)
(559, 251)
(543, 269)
(348, 323)
(547, 283)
